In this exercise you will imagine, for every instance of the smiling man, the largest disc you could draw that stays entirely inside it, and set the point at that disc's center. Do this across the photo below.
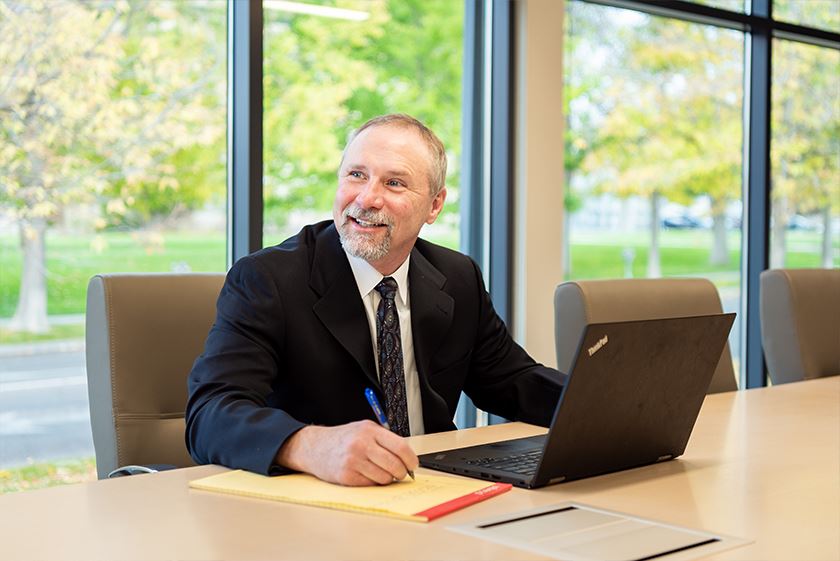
(303, 328)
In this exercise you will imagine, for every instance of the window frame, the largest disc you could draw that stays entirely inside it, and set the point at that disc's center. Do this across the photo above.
(245, 132)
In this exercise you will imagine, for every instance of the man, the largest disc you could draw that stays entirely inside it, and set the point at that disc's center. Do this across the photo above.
(303, 328)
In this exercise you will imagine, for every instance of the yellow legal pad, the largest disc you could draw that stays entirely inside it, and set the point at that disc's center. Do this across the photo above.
(427, 498)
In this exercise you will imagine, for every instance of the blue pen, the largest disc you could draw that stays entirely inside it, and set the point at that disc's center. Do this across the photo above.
(380, 415)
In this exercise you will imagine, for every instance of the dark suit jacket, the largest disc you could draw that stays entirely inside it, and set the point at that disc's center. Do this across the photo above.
(291, 346)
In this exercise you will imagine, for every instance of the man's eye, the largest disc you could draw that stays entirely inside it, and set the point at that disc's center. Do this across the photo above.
(357, 174)
(394, 183)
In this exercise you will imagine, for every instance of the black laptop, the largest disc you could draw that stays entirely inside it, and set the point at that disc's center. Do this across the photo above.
(631, 399)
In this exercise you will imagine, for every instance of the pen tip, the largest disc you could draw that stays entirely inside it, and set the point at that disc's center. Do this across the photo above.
(411, 475)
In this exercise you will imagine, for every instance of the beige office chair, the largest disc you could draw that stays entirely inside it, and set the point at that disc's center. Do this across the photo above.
(579, 303)
(800, 323)
(143, 333)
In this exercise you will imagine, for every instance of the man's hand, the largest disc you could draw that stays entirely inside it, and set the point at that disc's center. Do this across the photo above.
(360, 453)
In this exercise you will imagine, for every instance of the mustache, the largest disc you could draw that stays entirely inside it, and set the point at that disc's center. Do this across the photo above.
(375, 216)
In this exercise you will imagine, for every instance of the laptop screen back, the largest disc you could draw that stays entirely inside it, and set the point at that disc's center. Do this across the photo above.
(633, 395)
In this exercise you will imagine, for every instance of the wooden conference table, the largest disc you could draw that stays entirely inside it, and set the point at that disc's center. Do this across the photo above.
(762, 464)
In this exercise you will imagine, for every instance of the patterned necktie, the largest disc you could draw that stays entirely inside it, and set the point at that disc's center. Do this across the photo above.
(391, 372)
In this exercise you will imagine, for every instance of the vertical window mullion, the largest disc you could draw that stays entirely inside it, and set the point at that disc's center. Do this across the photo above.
(501, 156)
(757, 198)
(501, 192)
(472, 157)
(472, 135)
(245, 100)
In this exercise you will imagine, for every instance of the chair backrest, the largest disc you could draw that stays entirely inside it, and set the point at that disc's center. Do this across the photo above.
(579, 303)
(143, 332)
(800, 323)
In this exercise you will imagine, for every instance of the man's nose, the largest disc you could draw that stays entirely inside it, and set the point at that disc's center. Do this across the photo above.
(370, 195)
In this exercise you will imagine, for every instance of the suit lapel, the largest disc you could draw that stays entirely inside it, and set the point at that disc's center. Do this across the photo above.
(431, 310)
(341, 311)
(340, 308)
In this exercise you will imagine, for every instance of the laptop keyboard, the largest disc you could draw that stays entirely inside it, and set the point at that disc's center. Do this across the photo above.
(523, 463)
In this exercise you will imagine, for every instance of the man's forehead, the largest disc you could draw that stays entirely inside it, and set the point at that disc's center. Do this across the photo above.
(392, 131)
(397, 138)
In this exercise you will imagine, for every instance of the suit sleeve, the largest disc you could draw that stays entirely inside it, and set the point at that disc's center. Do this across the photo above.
(503, 378)
(228, 419)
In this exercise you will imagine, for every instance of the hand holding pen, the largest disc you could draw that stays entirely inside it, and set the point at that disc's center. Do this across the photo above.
(380, 415)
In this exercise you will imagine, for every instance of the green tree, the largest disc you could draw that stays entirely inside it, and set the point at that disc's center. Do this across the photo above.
(95, 108)
(419, 66)
(324, 77)
(310, 72)
(824, 14)
(587, 29)
(805, 144)
(674, 131)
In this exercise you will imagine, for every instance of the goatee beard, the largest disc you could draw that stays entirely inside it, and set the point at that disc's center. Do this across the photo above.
(362, 245)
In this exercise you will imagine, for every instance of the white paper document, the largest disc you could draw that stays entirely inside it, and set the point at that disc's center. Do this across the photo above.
(577, 532)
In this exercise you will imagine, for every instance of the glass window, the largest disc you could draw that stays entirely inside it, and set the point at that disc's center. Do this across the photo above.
(824, 14)
(327, 70)
(653, 149)
(112, 159)
(805, 156)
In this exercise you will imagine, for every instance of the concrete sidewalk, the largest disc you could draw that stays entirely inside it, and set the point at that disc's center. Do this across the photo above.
(42, 347)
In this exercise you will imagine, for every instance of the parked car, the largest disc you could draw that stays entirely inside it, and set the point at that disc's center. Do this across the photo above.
(682, 222)
(799, 222)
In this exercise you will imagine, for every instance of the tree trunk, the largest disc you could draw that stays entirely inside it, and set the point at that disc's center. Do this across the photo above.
(827, 257)
(778, 238)
(720, 251)
(31, 312)
(653, 266)
(567, 220)
(567, 245)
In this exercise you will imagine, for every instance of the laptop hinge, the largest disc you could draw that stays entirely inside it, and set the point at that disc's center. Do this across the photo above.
(665, 457)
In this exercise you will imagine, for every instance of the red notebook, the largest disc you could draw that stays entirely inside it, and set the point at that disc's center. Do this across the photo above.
(427, 498)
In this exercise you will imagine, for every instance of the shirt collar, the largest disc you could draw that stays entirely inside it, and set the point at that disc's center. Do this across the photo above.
(367, 277)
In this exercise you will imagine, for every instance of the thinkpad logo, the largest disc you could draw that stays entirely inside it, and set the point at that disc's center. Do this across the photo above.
(597, 346)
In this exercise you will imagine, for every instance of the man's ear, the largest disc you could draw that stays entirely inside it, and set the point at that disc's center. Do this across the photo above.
(437, 206)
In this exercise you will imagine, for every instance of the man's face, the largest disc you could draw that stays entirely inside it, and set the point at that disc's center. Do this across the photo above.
(383, 196)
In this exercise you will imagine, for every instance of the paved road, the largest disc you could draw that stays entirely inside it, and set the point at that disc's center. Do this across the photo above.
(43, 408)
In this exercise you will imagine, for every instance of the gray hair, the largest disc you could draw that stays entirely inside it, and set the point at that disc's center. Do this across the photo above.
(437, 165)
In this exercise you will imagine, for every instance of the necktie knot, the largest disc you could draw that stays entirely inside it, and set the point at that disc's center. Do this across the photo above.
(387, 288)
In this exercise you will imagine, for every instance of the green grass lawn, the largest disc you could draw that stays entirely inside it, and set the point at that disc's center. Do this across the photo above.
(47, 474)
(682, 252)
(606, 261)
(56, 332)
(72, 260)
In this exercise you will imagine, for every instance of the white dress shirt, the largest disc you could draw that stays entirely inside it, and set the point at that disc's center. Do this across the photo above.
(366, 279)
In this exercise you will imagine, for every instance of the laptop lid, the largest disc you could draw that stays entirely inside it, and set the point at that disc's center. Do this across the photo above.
(633, 395)
(631, 399)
